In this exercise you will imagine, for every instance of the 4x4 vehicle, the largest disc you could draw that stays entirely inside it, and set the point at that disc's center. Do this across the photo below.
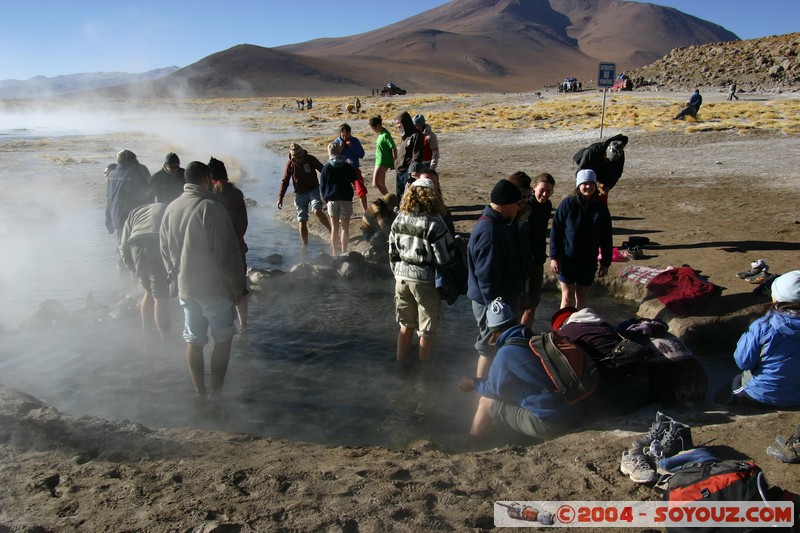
(391, 89)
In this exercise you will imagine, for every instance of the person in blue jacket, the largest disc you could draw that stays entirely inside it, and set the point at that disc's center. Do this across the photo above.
(581, 226)
(494, 264)
(769, 352)
(517, 393)
(692, 106)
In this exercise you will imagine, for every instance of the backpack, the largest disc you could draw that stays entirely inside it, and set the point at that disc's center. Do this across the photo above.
(714, 481)
(718, 481)
(569, 367)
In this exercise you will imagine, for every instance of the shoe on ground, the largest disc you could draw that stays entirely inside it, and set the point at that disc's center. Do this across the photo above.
(787, 454)
(634, 464)
(677, 438)
(656, 431)
(756, 268)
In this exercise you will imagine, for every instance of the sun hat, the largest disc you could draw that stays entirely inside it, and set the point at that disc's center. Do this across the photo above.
(423, 182)
(505, 193)
(586, 175)
(561, 316)
(786, 288)
(499, 315)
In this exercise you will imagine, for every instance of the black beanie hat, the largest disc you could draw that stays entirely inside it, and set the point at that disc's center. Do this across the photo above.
(505, 193)
(218, 171)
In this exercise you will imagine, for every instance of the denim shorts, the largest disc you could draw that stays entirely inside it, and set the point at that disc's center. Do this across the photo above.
(200, 315)
(301, 202)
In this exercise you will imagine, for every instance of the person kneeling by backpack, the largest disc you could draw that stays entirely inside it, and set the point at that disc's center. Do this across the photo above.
(517, 392)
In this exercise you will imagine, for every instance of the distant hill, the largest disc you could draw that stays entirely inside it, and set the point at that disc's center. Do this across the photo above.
(40, 86)
(461, 46)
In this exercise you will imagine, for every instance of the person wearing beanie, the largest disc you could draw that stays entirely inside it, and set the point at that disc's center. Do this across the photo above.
(419, 243)
(517, 391)
(385, 154)
(167, 183)
(607, 159)
(301, 169)
(768, 353)
(233, 200)
(352, 151)
(336, 187)
(494, 264)
(581, 227)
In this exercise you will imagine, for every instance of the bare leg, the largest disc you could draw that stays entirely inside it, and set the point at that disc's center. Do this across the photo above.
(482, 421)
(241, 310)
(163, 321)
(219, 365)
(323, 219)
(379, 180)
(304, 232)
(483, 366)
(344, 233)
(527, 317)
(581, 296)
(363, 201)
(567, 294)
(194, 359)
(403, 342)
(425, 347)
(147, 307)
(334, 235)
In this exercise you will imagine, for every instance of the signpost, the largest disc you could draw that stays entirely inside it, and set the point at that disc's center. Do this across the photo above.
(605, 79)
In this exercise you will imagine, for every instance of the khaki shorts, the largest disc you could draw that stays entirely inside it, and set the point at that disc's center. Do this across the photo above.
(418, 306)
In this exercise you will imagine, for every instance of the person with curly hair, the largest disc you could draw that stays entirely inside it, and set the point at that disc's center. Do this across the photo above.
(419, 242)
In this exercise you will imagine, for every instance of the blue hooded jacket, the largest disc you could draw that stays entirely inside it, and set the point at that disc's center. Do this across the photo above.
(770, 350)
(517, 377)
(495, 266)
(353, 152)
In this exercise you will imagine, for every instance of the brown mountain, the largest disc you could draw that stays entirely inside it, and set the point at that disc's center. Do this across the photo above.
(462, 46)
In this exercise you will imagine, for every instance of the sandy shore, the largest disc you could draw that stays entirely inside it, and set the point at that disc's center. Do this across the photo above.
(715, 199)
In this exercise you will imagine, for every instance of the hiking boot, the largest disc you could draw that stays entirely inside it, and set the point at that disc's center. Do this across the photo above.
(677, 438)
(786, 449)
(656, 431)
(634, 465)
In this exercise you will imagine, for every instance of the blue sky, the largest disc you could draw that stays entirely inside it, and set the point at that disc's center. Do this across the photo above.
(56, 37)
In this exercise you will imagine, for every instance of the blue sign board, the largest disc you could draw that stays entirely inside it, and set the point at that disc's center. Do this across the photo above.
(605, 75)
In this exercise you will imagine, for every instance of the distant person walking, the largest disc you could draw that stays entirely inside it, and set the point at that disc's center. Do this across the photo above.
(692, 106)
(732, 91)
(200, 247)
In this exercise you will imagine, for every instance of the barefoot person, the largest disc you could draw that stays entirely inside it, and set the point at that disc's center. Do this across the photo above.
(336, 187)
(199, 244)
(385, 154)
(301, 169)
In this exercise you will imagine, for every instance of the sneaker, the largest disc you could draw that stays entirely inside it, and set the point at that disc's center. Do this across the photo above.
(634, 465)
(656, 431)
(756, 267)
(677, 438)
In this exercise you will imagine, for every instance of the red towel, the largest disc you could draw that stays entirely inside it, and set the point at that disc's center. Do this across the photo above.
(681, 290)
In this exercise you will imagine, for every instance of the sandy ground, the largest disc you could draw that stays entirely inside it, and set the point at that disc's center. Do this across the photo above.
(713, 200)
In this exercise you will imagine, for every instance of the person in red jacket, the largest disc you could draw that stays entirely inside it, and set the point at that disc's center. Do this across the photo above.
(302, 169)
